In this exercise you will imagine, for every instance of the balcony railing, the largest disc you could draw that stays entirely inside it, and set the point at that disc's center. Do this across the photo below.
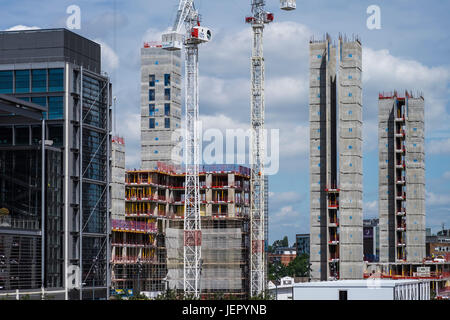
(133, 225)
(25, 224)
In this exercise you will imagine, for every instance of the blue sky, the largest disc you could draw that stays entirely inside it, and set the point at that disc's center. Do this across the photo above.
(410, 51)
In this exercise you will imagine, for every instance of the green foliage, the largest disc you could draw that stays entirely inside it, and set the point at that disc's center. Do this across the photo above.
(263, 296)
(139, 297)
(299, 267)
(279, 243)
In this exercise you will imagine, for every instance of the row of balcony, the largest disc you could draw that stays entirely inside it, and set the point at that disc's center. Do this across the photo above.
(127, 225)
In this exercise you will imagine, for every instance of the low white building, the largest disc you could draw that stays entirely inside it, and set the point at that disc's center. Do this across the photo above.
(370, 289)
(283, 291)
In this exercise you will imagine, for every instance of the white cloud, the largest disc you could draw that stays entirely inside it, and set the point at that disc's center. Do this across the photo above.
(370, 209)
(110, 59)
(439, 146)
(447, 175)
(22, 27)
(433, 199)
(384, 72)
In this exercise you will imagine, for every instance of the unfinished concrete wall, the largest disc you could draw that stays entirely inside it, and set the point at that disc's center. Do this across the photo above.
(401, 178)
(415, 179)
(118, 179)
(322, 117)
(160, 106)
(386, 192)
(350, 159)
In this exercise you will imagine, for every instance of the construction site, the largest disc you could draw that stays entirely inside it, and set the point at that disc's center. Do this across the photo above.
(147, 239)
(76, 222)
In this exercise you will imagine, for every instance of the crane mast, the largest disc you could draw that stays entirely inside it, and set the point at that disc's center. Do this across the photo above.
(257, 261)
(174, 40)
(259, 18)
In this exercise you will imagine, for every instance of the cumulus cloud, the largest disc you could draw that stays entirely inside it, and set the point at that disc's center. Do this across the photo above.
(433, 199)
(21, 27)
(384, 72)
(439, 146)
(370, 209)
(110, 59)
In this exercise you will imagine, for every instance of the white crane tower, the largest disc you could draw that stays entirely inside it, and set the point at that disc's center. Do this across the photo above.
(174, 40)
(259, 18)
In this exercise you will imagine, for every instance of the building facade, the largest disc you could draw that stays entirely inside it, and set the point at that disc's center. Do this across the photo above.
(160, 106)
(61, 71)
(336, 245)
(302, 244)
(401, 178)
(371, 237)
(147, 246)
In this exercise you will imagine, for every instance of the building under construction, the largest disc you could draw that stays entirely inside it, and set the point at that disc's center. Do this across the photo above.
(147, 244)
(336, 244)
(401, 177)
(160, 105)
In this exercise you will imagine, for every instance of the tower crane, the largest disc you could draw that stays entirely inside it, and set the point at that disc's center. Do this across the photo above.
(194, 35)
(258, 19)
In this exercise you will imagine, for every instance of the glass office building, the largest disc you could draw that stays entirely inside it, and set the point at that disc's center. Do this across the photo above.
(59, 71)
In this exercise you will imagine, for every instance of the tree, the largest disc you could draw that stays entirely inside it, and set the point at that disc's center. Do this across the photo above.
(280, 243)
(299, 267)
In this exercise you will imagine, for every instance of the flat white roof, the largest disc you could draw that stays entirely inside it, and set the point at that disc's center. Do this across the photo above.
(373, 282)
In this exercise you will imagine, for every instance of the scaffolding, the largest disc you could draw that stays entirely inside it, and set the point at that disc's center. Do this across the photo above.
(151, 232)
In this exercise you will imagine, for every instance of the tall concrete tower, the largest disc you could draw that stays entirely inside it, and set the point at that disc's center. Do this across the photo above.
(160, 105)
(336, 250)
(401, 178)
(323, 164)
(350, 159)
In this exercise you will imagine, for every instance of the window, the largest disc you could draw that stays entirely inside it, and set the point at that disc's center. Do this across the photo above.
(151, 95)
(22, 81)
(151, 80)
(152, 123)
(55, 108)
(36, 133)
(22, 136)
(55, 133)
(167, 94)
(151, 110)
(39, 80)
(167, 79)
(6, 136)
(42, 101)
(6, 82)
(167, 109)
(167, 123)
(55, 80)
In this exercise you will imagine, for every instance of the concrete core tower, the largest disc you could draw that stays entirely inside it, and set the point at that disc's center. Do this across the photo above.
(336, 173)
